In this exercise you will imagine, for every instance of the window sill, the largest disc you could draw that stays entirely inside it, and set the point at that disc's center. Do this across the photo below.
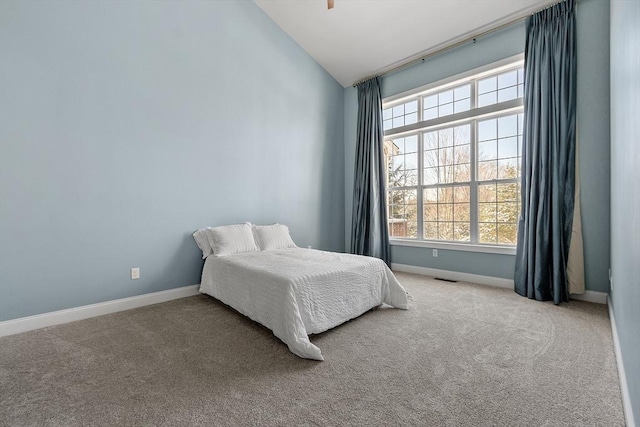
(466, 247)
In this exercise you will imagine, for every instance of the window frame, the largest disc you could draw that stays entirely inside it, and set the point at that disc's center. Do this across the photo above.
(471, 117)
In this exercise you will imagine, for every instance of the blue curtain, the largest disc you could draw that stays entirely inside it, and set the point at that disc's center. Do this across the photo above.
(369, 228)
(548, 155)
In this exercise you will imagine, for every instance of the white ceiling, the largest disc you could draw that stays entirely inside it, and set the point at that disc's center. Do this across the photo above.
(359, 38)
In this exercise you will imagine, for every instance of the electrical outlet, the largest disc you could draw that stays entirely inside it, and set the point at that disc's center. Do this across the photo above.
(135, 273)
(435, 253)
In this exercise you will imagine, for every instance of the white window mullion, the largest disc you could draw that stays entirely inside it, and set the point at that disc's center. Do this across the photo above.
(474, 90)
(473, 191)
(420, 216)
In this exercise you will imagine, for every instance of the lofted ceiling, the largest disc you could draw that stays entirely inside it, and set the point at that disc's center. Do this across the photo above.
(360, 38)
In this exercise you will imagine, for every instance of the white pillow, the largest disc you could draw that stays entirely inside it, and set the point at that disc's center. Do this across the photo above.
(276, 236)
(202, 240)
(232, 239)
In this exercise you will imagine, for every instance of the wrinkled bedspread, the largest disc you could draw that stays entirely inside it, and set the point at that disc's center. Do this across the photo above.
(297, 292)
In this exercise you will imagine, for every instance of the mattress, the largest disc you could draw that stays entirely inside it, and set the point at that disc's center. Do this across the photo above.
(296, 292)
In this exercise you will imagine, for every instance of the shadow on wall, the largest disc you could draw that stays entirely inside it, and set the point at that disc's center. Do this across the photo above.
(183, 266)
(332, 230)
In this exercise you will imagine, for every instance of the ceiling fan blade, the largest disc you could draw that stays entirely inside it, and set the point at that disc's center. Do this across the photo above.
(329, 4)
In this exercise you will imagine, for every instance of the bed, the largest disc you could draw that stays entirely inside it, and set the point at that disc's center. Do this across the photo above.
(296, 292)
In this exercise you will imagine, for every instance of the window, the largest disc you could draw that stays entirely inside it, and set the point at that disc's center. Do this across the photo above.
(452, 153)
(400, 115)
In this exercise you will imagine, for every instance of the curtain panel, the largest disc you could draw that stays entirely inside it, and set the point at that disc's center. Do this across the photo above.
(369, 228)
(548, 158)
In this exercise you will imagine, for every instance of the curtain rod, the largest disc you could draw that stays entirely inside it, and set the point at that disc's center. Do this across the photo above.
(472, 38)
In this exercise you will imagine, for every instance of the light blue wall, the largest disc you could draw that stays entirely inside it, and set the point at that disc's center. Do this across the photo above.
(593, 138)
(125, 126)
(625, 195)
(593, 127)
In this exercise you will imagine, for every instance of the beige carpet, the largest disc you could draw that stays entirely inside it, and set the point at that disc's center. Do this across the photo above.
(463, 355)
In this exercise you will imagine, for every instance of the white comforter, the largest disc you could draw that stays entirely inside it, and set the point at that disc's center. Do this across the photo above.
(297, 292)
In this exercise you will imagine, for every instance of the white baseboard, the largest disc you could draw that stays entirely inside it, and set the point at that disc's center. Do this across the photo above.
(454, 275)
(624, 387)
(500, 282)
(24, 324)
(591, 296)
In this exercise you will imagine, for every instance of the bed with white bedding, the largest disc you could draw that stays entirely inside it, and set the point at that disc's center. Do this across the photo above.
(296, 292)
